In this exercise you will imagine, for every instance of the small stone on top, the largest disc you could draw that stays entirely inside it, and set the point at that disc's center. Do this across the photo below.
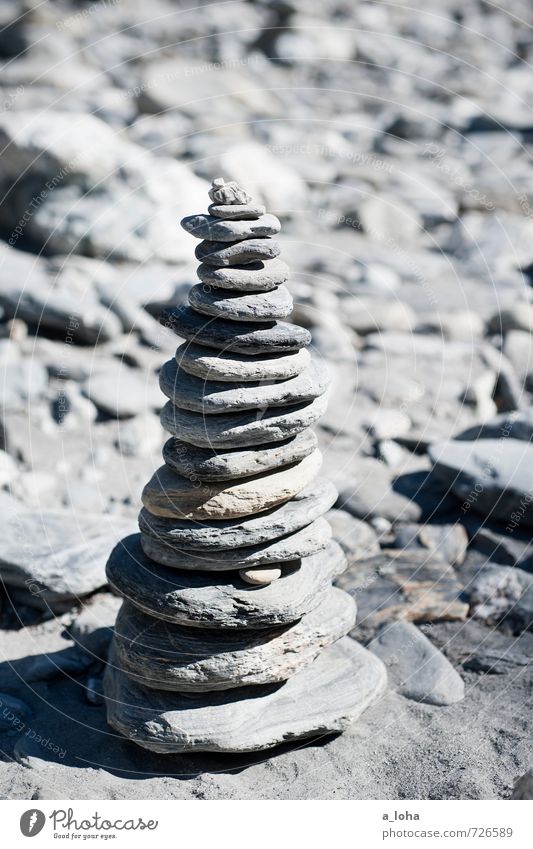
(222, 192)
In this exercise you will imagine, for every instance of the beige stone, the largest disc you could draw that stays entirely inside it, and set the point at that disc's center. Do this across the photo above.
(259, 577)
(168, 494)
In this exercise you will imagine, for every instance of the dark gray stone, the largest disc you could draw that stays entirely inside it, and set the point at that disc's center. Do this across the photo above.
(242, 338)
(496, 592)
(205, 464)
(220, 254)
(210, 397)
(416, 669)
(241, 429)
(205, 600)
(165, 656)
(490, 476)
(448, 541)
(236, 306)
(497, 662)
(377, 493)
(220, 230)
(301, 543)
(55, 555)
(412, 585)
(304, 508)
(324, 697)
(255, 277)
(515, 425)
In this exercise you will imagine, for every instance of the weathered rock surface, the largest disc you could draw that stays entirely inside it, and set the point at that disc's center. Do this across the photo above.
(163, 656)
(325, 697)
(304, 542)
(120, 392)
(259, 276)
(357, 539)
(223, 600)
(502, 592)
(303, 508)
(204, 362)
(415, 668)
(168, 494)
(245, 338)
(54, 556)
(375, 491)
(198, 395)
(258, 306)
(448, 541)
(242, 429)
(206, 464)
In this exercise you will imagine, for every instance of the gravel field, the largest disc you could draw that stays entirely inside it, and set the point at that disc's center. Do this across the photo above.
(394, 143)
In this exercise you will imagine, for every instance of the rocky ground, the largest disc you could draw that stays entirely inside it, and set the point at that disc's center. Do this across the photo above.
(395, 145)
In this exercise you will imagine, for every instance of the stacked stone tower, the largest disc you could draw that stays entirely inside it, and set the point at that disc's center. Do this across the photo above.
(231, 636)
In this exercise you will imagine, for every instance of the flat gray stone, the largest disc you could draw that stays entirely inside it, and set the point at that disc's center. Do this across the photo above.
(205, 464)
(490, 476)
(210, 397)
(122, 392)
(236, 306)
(242, 338)
(236, 210)
(220, 254)
(324, 697)
(168, 494)
(260, 276)
(302, 543)
(221, 600)
(235, 430)
(417, 669)
(300, 511)
(219, 365)
(230, 230)
(165, 656)
(357, 538)
(55, 555)
(448, 541)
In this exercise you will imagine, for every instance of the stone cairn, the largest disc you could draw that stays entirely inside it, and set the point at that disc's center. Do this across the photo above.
(231, 636)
